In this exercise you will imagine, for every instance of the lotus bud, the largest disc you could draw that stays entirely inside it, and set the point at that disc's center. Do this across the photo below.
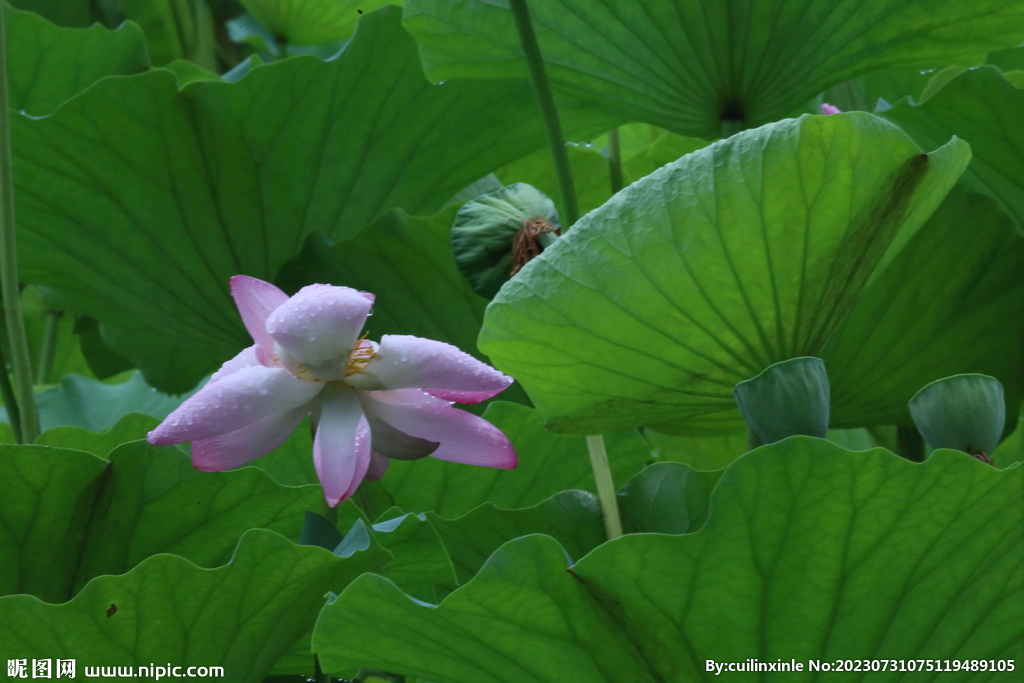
(827, 108)
(963, 412)
(786, 399)
(498, 233)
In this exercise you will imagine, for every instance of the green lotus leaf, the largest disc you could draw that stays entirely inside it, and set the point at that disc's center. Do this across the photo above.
(44, 513)
(689, 65)
(420, 562)
(485, 230)
(983, 107)
(948, 304)
(72, 516)
(311, 22)
(175, 29)
(241, 616)
(810, 552)
(735, 257)
(548, 463)
(71, 13)
(96, 406)
(138, 198)
(571, 517)
(666, 498)
(48, 65)
(131, 427)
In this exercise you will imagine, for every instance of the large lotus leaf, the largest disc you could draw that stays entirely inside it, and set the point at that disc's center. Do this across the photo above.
(131, 427)
(311, 22)
(48, 65)
(143, 200)
(420, 563)
(73, 13)
(571, 517)
(666, 498)
(739, 255)
(548, 463)
(155, 501)
(241, 616)
(810, 552)
(44, 512)
(97, 406)
(687, 65)
(950, 303)
(73, 516)
(982, 107)
(175, 29)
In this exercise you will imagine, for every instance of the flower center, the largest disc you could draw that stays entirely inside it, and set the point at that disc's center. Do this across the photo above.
(362, 353)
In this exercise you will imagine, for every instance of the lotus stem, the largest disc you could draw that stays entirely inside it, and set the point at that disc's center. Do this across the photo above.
(48, 349)
(615, 160)
(910, 443)
(531, 49)
(730, 127)
(21, 362)
(7, 392)
(605, 486)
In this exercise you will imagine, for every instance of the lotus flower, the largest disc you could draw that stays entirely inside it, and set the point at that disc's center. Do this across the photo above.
(369, 402)
(827, 109)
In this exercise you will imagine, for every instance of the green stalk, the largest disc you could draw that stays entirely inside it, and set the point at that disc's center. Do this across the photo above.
(49, 347)
(605, 486)
(20, 360)
(7, 391)
(546, 100)
(910, 443)
(753, 440)
(531, 49)
(615, 159)
(730, 127)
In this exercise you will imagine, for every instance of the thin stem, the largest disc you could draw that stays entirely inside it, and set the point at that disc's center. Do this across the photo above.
(282, 48)
(7, 391)
(49, 347)
(318, 674)
(531, 49)
(910, 443)
(730, 127)
(615, 160)
(21, 361)
(753, 440)
(605, 486)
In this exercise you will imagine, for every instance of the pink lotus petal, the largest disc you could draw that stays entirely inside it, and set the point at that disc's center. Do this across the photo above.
(232, 402)
(378, 466)
(827, 108)
(234, 449)
(341, 448)
(319, 326)
(246, 358)
(443, 370)
(256, 300)
(464, 437)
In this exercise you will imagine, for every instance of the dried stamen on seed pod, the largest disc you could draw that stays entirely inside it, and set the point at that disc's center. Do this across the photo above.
(362, 353)
(981, 455)
(525, 246)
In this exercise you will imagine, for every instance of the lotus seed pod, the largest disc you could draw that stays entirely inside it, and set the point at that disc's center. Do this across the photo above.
(786, 399)
(496, 234)
(963, 412)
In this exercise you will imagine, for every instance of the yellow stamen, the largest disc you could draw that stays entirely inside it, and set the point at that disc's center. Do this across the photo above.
(362, 354)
